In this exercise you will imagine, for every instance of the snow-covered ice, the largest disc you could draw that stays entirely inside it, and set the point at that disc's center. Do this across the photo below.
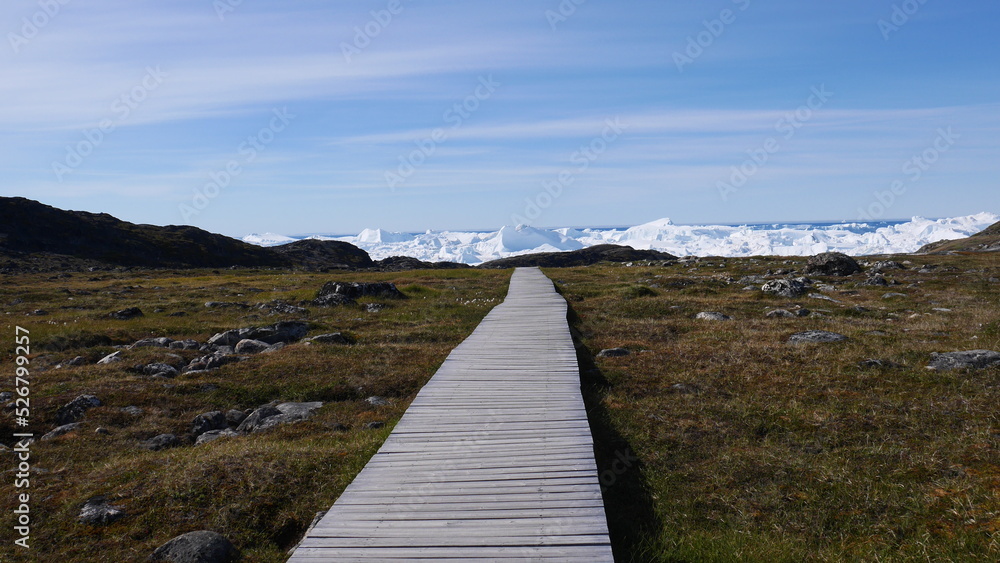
(682, 240)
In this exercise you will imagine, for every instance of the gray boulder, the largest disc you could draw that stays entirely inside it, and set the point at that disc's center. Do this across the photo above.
(160, 370)
(357, 290)
(972, 359)
(209, 421)
(712, 316)
(877, 280)
(784, 288)
(256, 419)
(235, 417)
(127, 314)
(288, 331)
(197, 547)
(75, 409)
(832, 264)
(268, 417)
(378, 401)
(98, 512)
(780, 314)
(816, 336)
(161, 442)
(111, 358)
(161, 342)
(210, 362)
(248, 346)
(60, 431)
(184, 345)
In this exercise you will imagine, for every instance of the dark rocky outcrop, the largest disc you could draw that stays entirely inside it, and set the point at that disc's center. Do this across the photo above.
(583, 257)
(311, 254)
(28, 227)
(406, 263)
(816, 336)
(197, 547)
(832, 264)
(99, 512)
(356, 290)
(75, 409)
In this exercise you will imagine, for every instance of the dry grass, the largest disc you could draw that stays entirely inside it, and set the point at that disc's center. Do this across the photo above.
(748, 448)
(751, 449)
(260, 491)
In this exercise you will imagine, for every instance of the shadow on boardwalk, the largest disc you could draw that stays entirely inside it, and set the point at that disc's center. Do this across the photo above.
(632, 520)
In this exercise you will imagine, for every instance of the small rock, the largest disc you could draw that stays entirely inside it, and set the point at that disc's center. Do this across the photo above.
(178, 314)
(288, 331)
(712, 316)
(784, 288)
(133, 410)
(613, 353)
(818, 336)
(374, 307)
(378, 401)
(77, 361)
(208, 421)
(197, 547)
(780, 314)
(879, 267)
(803, 312)
(60, 431)
(374, 425)
(160, 370)
(102, 431)
(6, 396)
(111, 358)
(161, 442)
(213, 435)
(972, 359)
(38, 313)
(127, 314)
(893, 295)
(161, 342)
(823, 297)
(75, 409)
(877, 280)
(98, 512)
(184, 345)
(332, 338)
(941, 310)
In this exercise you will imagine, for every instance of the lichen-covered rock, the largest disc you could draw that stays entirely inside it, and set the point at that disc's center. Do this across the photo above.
(197, 547)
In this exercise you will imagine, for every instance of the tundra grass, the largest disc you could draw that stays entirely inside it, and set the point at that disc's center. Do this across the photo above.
(719, 441)
(259, 491)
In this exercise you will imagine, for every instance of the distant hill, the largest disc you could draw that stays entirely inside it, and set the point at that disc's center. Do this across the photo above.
(31, 228)
(584, 257)
(985, 241)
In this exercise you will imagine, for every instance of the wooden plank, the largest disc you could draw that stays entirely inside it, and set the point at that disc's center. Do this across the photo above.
(492, 461)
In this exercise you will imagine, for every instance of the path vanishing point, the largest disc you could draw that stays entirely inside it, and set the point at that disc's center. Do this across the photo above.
(493, 460)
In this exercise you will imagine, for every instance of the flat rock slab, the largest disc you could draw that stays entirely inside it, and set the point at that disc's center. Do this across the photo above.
(492, 461)
(817, 336)
(972, 359)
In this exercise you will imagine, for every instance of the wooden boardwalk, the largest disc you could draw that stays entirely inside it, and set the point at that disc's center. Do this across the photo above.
(493, 460)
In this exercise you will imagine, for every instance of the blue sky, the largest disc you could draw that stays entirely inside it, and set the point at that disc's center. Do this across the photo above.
(331, 116)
